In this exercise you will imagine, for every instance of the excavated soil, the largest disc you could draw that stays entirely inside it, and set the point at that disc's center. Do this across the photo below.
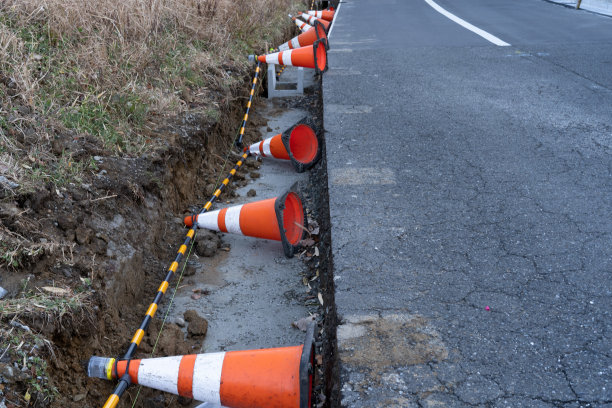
(113, 236)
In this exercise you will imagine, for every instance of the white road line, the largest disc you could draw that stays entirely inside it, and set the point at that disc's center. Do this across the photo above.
(465, 24)
(334, 19)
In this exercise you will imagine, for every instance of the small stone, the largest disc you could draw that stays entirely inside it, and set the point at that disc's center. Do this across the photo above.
(186, 94)
(251, 193)
(79, 397)
(3, 292)
(198, 326)
(190, 268)
(304, 322)
(207, 243)
(8, 183)
(10, 374)
(180, 322)
(99, 246)
(83, 235)
(254, 174)
(70, 235)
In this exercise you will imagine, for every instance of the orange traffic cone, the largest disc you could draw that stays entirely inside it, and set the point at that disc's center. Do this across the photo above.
(299, 143)
(311, 20)
(312, 56)
(301, 24)
(324, 14)
(279, 219)
(265, 378)
(317, 32)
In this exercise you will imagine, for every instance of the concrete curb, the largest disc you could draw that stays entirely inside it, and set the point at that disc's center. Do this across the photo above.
(603, 7)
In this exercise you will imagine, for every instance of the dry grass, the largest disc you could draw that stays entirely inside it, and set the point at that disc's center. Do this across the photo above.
(105, 67)
(52, 306)
(17, 250)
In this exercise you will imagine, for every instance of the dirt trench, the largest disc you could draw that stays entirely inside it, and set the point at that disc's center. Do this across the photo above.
(125, 226)
(110, 240)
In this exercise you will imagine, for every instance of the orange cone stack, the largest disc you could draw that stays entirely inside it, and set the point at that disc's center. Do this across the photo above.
(317, 32)
(324, 14)
(312, 56)
(279, 219)
(266, 378)
(299, 143)
(311, 20)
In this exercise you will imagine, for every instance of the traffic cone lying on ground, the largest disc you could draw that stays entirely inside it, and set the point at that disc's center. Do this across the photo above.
(301, 24)
(312, 56)
(299, 143)
(265, 378)
(324, 14)
(317, 32)
(279, 219)
(311, 20)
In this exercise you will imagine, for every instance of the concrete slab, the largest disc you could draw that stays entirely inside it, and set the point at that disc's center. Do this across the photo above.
(251, 300)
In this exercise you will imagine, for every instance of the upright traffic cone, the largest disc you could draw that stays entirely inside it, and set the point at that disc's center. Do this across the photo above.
(312, 56)
(324, 14)
(279, 219)
(317, 32)
(299, 143)
(264, 378)
(311, 20)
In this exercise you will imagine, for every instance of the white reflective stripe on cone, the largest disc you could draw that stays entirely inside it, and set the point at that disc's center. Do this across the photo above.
(160, 373)
(232, 219)
(272, 58)
(287, 57)
(207, 377)
(295, 43)
(266, 147)
(254, 148)
(208, 220)
(303, 26)
(283, 47)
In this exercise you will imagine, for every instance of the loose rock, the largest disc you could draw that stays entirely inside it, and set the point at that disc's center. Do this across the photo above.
(251, 193)
(207, 243)
(304, 322)
(8, 183)
(83, 235)
(79, 397)
(10, 374)
(198, 326)
(66, 222)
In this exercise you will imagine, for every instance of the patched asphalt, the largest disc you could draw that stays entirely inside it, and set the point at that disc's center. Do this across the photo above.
(463, 175)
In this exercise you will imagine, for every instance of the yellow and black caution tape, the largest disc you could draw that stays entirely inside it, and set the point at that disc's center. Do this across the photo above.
(124, 382)
(248, 108)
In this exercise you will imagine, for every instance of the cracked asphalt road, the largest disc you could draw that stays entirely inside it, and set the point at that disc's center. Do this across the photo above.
(464, 175)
